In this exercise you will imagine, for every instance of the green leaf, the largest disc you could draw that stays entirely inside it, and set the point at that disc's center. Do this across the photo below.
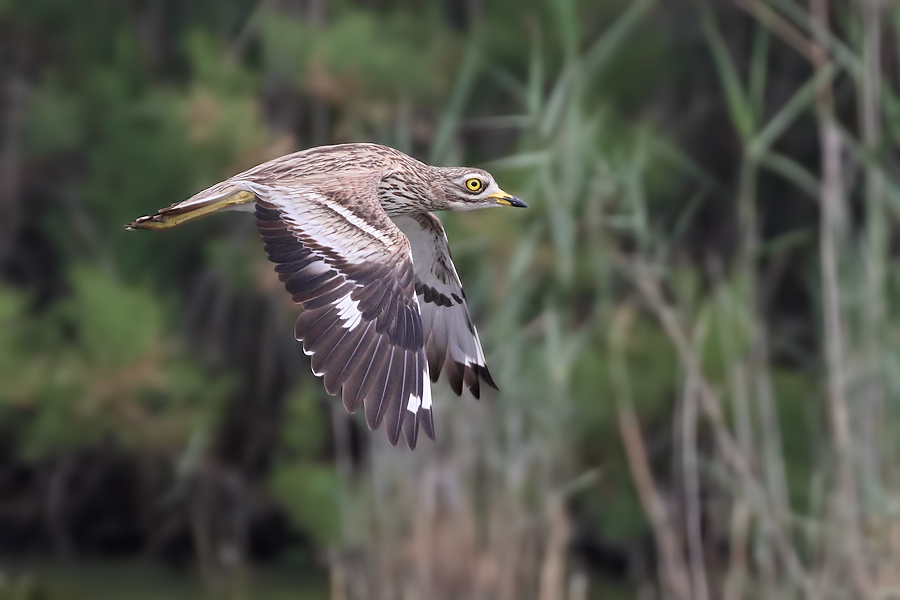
(739, 106)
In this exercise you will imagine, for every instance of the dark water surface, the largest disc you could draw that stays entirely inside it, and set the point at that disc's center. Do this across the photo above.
(145, 580)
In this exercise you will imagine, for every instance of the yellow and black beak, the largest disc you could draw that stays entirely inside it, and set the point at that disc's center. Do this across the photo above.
(501, 197)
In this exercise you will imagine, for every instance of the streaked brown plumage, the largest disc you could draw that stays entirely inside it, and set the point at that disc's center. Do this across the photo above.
(350, 231)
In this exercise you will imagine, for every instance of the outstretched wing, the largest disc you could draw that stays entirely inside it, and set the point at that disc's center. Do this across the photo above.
(451, 341)
(341, 257)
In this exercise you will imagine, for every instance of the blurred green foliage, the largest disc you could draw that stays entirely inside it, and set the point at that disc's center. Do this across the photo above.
(306, 486)
(363, 57)
(102, 361)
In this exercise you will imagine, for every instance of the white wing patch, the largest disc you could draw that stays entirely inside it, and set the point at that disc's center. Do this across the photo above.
(348, 311)
(479, 359)
(357, 222)
(414, 402)
(315, 214)
(426, 389)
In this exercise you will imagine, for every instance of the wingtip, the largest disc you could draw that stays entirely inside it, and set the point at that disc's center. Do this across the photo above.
(427, 422)
(411, 429)
(485, 376)
(393, 436)
(455, 371)
(393, 428)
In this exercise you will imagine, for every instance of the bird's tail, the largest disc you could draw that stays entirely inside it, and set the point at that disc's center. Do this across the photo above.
(222, 196)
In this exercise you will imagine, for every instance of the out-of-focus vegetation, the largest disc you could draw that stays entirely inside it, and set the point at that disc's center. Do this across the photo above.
(693, 326)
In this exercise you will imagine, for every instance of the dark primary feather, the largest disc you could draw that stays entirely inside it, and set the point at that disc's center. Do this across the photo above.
(377, 361)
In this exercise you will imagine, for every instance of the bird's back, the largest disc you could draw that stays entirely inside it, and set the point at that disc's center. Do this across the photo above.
(323, 160)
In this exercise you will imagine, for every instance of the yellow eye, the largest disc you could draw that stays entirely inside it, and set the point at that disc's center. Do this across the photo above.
(474, 184)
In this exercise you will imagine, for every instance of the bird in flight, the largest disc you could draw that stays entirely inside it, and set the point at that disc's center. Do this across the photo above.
(350, 230)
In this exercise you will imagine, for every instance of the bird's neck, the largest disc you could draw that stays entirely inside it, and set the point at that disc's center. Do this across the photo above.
(401, 195)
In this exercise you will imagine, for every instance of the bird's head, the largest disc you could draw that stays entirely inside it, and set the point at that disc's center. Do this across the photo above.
(468, 189)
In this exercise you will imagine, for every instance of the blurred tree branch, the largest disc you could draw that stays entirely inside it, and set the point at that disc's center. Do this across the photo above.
(772, 522)
(773, 21)
(673, 570)
(832, 240)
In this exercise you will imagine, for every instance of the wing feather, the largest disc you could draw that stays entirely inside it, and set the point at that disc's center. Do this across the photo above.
(361, 323)
(451, 340)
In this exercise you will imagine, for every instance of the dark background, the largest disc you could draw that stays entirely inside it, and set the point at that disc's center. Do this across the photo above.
(693, 325)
